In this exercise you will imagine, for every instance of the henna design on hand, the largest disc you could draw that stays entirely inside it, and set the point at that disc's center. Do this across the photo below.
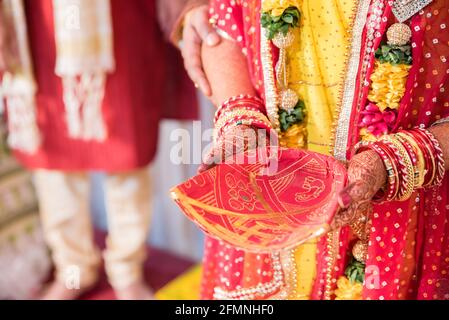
(236, 141)
(366, 175)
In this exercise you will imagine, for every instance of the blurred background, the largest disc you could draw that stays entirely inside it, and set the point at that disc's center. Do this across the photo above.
(175, 244)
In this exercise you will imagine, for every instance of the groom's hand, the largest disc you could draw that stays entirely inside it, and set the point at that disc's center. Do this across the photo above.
(197, 30)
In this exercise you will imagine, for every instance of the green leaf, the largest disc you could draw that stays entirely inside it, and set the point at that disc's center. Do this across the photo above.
(275, 24)
(394, 54)
(284, 29)
(290, 118)
(288, 19)
(278, 25)
(276, 19)
(355, 271)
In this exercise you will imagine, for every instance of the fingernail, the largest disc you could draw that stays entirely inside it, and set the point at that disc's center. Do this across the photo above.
(344, 200)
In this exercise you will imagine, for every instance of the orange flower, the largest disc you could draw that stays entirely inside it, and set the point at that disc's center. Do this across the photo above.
(294, 137)
(388, 85)
(367, 136)
(347, 290)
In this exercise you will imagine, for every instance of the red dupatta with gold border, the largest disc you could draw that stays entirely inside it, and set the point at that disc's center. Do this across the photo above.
(409, 242)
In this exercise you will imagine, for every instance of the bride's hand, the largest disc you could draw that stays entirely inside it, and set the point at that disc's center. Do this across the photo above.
(366, 176)
(236, 140)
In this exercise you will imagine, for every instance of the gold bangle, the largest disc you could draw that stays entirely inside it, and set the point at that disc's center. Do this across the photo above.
(421, 163)
(428, 150)
(407, 190)
(404, 143)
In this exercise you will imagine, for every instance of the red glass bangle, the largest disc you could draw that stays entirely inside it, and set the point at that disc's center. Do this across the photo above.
(428, 151)
(390, 162)
(427, 155)
(411, 153)
(404, 175)
(438, 156)
(247, 100)
(237, 106)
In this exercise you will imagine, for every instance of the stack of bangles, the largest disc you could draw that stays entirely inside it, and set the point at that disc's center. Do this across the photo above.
(413, 160)
(240, 110)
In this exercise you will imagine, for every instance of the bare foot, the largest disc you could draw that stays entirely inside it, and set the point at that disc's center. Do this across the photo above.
(136, 291)
(58, 291)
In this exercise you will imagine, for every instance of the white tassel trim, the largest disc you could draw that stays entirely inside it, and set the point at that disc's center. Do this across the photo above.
(23, 132)
(83, 98)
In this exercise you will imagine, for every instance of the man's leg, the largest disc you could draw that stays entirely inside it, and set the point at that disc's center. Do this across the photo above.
(64, 207)
(128, 199)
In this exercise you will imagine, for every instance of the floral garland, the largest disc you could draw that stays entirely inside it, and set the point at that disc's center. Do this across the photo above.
(276, 21)
(279, 18)
(392, 65)
(348, 290)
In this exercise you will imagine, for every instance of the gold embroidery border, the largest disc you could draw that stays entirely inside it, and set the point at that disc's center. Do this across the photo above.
(340, 141)
(269, 82)
(332, 248)
(289, 291)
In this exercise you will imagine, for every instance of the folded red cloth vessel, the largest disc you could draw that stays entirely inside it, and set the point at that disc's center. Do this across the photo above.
(269, 200)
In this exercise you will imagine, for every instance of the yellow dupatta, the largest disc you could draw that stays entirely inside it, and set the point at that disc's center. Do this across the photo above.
(316, 69)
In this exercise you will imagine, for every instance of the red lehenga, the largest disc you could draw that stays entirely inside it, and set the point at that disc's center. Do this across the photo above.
(409, 241)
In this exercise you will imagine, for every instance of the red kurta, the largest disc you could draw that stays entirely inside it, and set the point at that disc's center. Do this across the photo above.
(147, 84)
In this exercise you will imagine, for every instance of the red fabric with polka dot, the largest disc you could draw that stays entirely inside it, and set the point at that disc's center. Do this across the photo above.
(409, 244)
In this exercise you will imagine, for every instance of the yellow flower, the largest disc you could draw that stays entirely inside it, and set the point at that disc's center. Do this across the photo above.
(347, 290)
(367, 136)
(388, 85)
(277, 7)
(294, 137)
